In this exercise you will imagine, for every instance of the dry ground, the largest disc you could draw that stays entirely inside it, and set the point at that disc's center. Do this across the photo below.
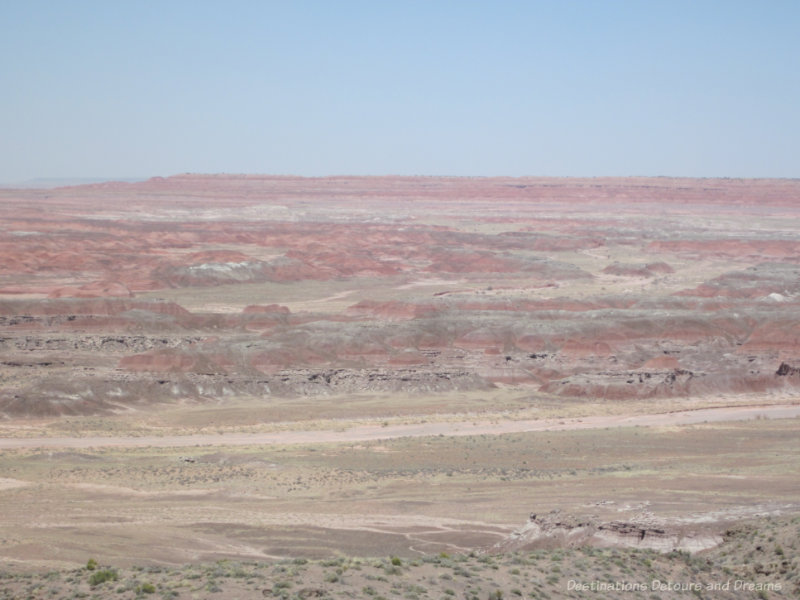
(296, 521)
(413, 495)
(240, 387)
(752, 563)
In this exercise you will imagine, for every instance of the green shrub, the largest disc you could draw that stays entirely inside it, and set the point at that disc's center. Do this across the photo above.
(102, 576)
(146, 588)
(91, 565)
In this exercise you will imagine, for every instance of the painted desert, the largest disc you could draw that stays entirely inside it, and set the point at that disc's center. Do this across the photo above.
(241, 386)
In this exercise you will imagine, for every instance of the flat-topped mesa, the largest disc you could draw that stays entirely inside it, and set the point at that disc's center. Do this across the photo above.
(93, 306)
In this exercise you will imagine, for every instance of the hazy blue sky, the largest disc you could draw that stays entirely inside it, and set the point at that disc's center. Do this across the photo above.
(115, 88)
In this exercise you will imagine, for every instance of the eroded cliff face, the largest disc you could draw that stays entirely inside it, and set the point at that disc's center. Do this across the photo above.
(601, 289)
(554, 530)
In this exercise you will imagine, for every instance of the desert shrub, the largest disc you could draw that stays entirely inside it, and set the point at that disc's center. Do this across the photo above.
(396, 561)
(91, 565)
(102, 576)
(146, 588)
(332, 562)
(153, 569)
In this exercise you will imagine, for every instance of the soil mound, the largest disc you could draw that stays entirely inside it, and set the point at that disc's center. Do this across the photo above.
(169, 360)
(634, 270)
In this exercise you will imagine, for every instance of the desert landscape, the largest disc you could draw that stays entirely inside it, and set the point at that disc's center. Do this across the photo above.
(240, 386)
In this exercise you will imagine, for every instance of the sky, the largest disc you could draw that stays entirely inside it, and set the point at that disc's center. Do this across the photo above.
(138, 88)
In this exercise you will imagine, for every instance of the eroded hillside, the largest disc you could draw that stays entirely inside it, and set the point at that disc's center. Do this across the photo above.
(116, 296)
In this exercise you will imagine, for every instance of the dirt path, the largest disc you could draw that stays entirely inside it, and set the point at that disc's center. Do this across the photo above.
(376, 432)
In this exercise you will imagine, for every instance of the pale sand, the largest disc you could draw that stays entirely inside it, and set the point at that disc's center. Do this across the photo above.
(378, 432)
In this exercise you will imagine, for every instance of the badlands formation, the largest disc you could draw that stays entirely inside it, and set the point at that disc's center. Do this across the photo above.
(444, 316)
(197, 288)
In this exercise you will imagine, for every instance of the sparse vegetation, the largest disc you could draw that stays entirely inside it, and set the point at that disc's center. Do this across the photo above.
(103, 576)
(145, 588)
(537, 574)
